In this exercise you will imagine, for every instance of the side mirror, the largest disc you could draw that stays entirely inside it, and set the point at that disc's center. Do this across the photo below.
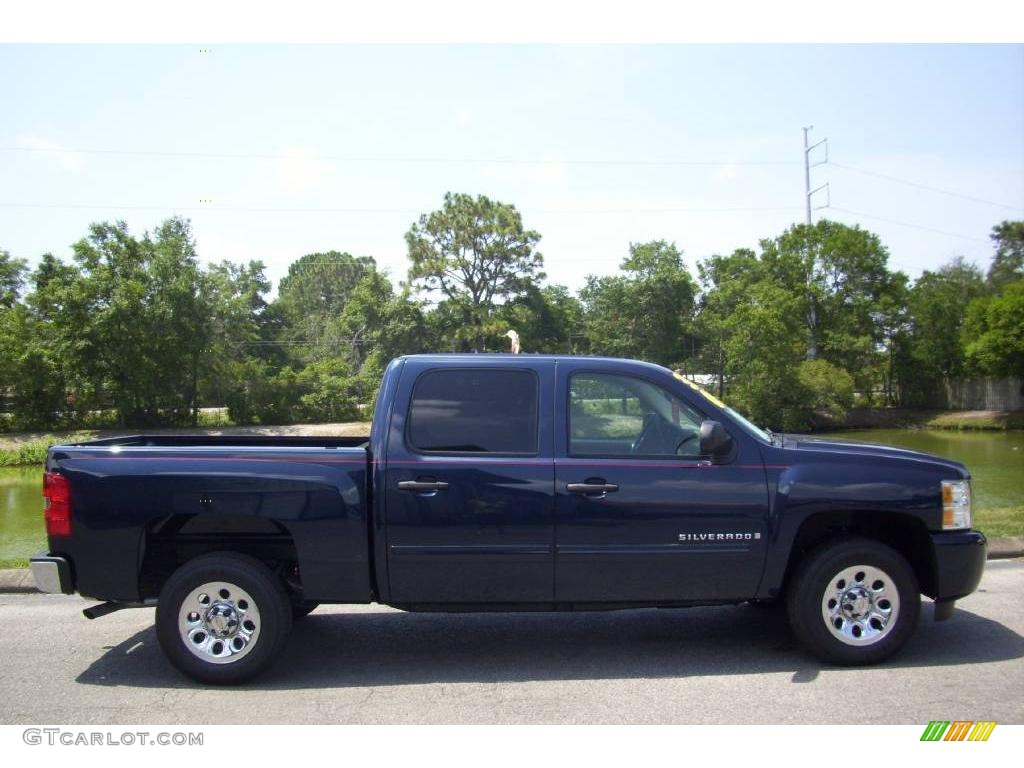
(714, 440)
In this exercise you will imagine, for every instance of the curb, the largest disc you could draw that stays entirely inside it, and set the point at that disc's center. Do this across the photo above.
(1005, 547)
(19, 580)
(16, 580)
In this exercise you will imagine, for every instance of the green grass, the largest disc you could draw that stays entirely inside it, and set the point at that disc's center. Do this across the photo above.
(967, 420)
(16, 563)
(34, 451)
(1000, 521)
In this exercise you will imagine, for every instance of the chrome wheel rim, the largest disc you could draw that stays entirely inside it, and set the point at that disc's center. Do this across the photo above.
(860, 605)
(219, 622)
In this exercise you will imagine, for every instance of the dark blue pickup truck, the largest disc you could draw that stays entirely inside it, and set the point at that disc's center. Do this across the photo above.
(509, 483)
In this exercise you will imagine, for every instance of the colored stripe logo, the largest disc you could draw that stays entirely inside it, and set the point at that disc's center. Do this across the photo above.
(958, 730)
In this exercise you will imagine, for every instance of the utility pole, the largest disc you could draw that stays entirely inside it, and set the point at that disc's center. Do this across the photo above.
(808, 192)
(812, 312)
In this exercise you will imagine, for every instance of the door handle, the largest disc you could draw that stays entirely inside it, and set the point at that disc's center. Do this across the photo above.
(422, 486)
(591, 487)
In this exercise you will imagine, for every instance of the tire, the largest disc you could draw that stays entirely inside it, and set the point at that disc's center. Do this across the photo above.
(223, 618)
(853, 601)
(302, 608)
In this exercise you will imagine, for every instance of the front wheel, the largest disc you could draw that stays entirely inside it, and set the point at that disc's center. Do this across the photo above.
(223, 618)
(854, 601)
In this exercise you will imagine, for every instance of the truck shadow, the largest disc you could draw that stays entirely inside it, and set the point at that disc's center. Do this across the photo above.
(330, 650)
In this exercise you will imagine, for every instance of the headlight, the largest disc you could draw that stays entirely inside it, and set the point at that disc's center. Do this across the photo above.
(956, 504)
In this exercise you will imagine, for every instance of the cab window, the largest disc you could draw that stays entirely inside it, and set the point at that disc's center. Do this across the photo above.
(614, 415)
(474, 411)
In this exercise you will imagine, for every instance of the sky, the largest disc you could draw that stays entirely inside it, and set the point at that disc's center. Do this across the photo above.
(276, 151)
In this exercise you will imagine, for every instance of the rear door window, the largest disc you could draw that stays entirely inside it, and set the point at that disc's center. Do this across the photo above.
(474, 411)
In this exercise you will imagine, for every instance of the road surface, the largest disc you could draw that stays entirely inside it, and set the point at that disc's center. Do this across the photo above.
(369, 664)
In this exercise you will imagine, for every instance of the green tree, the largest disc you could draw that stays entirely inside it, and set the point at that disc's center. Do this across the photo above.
(476, 254)
(126, 320)
(1008, 261)
(377, 325)
(312, 296)
(726, 282)
(178, 317)
(234, 297)
(931, 348)
(993, 332)
(840, 275)
(645, 313)
(548, 319)
(12, 272)
(764, 342)
(827, 392)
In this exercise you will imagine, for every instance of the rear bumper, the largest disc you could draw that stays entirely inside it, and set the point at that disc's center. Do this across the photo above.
(959, 563)
(52, 574)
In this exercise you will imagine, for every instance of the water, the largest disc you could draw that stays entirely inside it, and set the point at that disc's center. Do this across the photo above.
(995, 459)
(21, 512)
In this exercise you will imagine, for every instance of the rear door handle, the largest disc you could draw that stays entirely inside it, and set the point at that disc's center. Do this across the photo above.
(422, 486)
(591, 487)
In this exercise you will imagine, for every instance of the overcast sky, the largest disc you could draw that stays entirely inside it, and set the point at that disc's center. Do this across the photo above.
(312, 148)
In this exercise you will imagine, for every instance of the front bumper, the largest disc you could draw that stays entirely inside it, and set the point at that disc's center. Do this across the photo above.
(52, 574)
(959, 563)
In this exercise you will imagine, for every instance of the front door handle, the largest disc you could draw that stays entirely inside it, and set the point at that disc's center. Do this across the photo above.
(422, 486)
(591, 487)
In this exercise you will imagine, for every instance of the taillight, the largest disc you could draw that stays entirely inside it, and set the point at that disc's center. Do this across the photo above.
(57, 492)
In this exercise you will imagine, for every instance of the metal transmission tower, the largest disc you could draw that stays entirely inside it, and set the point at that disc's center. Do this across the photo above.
(808, 192)
(812, 311)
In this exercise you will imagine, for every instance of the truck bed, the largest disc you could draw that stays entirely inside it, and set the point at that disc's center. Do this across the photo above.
(143, 501)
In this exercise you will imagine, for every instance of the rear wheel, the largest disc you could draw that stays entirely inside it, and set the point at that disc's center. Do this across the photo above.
(854, 601)
(223, 618)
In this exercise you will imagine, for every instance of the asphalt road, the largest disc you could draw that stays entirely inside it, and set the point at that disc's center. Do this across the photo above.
(376, 665)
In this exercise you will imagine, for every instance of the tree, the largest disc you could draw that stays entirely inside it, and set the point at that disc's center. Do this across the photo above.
(127, 321)
(377, 325)
(938, 304)
(764, 341)
(841, 275)
(993, 332)
(548, 319)
(725, 284)
(476, 254)
(645, 313)
(1008, 261)
(234, 297)
(179, 319)
(12, 273)
(311, 297)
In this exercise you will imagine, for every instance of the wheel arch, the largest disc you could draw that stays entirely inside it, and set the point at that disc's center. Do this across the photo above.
(174, 540)
(905, 533)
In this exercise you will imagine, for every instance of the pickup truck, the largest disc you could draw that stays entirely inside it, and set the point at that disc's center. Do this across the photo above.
(509, 483)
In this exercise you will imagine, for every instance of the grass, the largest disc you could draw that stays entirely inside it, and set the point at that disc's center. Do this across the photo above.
(32, 452)
(980, 420)
(1000, 521)
(15, 563)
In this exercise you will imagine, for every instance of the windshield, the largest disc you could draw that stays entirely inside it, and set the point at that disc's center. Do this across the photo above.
(749, 426)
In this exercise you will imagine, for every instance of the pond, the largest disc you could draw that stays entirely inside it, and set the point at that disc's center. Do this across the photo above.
(995, 459)
(21, 513)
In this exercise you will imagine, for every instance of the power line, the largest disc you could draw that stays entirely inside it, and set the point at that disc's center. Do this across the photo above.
(916, 185)
(247, 209)
(426, 160)
(906, 223)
